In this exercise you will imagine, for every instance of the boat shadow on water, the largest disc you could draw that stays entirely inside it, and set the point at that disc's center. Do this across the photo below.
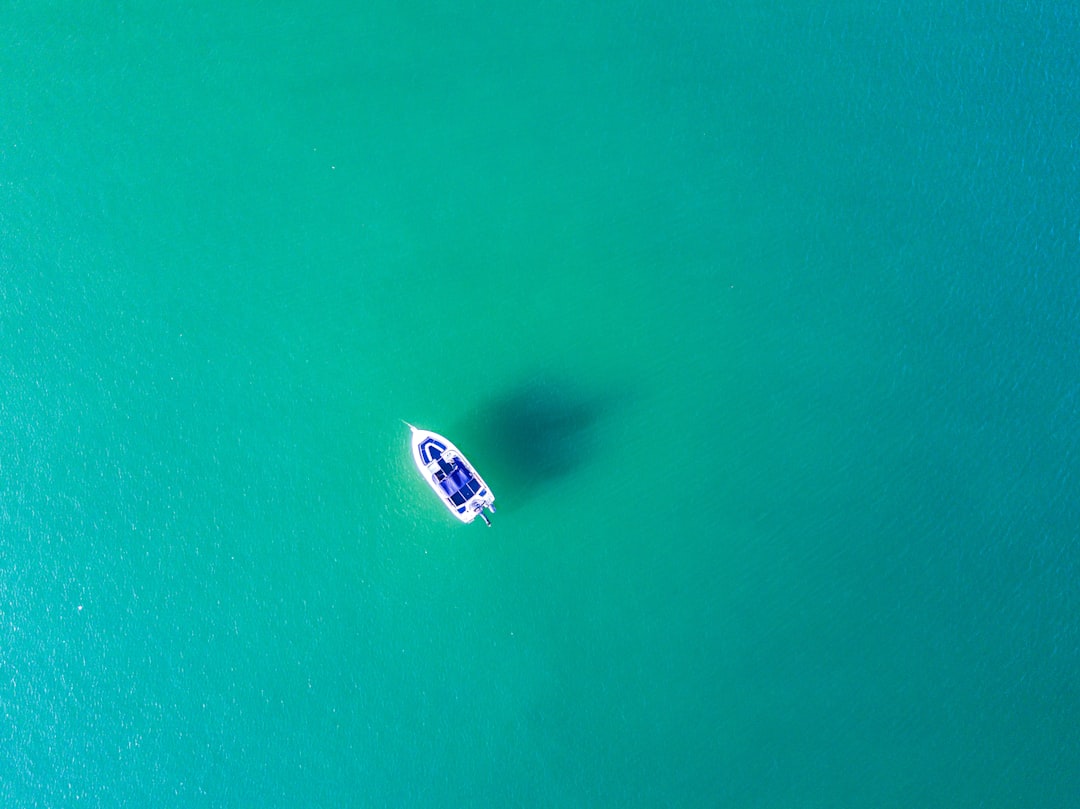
(534, 433)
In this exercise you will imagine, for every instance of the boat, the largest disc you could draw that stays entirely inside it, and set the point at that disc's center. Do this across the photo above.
(450, 475)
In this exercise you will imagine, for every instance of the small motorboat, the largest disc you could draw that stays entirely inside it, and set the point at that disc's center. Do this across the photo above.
(451, 476)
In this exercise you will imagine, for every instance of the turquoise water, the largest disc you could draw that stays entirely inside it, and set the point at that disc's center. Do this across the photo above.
(763, 324)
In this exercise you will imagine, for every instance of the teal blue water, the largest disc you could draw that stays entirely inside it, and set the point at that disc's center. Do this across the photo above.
(762, 321)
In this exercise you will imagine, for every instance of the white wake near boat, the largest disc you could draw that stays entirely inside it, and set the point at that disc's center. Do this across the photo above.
(450, 475)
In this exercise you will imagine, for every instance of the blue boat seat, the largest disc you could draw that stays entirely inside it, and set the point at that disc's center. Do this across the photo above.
(457, 479)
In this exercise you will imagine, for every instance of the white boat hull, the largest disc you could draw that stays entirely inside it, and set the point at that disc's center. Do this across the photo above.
(450, 475)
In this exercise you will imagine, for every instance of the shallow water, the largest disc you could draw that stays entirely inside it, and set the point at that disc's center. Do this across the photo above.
(761, 323)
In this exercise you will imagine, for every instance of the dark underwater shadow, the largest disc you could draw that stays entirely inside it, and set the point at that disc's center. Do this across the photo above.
(535, 432)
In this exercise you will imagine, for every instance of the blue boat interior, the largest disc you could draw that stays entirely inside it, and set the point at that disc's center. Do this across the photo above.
(455, 478)
(457, 481)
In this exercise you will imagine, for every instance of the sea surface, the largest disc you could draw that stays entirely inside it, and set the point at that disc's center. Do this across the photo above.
(761, 319)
